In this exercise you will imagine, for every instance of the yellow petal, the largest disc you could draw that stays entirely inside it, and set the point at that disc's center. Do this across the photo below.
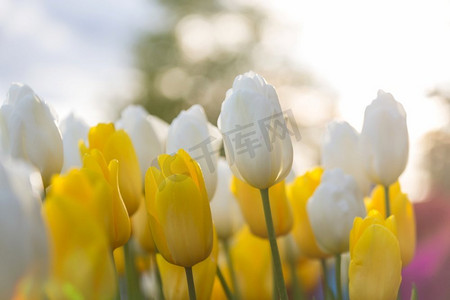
(141, 229)
(153, 179)
(120, 147)
(185, 217)
(249, 199)
(298, 194)
(121, 224)
(99, 135)
(182, 163)
(403, 211)
(81, 258)
(253, 266)
(174, 277)
(375, 266)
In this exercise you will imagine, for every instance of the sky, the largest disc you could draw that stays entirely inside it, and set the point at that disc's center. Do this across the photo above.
(77, 55)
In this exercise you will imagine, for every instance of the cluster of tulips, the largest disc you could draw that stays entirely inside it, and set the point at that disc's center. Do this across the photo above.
(140, 209)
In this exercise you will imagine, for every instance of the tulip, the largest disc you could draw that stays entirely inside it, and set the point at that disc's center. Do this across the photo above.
(191, 132)
(73, 129)
(375, 265)
(332, 208)
(249, 200)
(82, 266)
(250, 121)
(174, 284)
(253, 267)
(32, 130)
(137, 124)
(224, 208)
(299, 192)
(258, 146)
(24, 250)
(403, 211)
(119, 225)
(178, 209)
(141, 229)
(116, 144)
(384, 140)
(341, 150)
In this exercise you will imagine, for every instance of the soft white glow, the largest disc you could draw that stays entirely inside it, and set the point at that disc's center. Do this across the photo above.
(358, 47)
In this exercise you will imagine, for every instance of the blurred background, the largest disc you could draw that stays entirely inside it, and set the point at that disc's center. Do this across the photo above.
(327, 59)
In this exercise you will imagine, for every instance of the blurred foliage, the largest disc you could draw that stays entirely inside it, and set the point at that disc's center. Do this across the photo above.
(199, 49)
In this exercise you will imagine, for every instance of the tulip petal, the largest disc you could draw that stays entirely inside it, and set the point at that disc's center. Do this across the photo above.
(375, 267)
(184, 214)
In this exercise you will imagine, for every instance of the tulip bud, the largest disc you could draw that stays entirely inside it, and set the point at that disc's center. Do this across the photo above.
(116, 144)
(375, 262)
(191, 132)
(73, 130)
(341, 150)
(33, 133)
(332, 208)
(384, 139)
(178, 210)
(137, 124)
(257, 143)
(299, 193)
(403, 211)
(249, 199)
(224, 208)
(24, 250)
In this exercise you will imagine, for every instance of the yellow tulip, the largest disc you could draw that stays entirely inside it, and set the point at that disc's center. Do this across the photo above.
(88, 189)
(249, 199)
(141, 229)
(82, 266)
(375, 261)
(253, 265)
(178, 210)
(116, 144)
(403, 211)
(120, 228)
(174, 277)
(299, 192)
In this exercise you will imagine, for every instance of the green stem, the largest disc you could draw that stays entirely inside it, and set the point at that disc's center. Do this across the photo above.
(387, 203)
(338, 277)
(190, 283)
(324, 278)
(231, 269)
(296, 289)
(133, 290)
(278, 272)
(224, 284)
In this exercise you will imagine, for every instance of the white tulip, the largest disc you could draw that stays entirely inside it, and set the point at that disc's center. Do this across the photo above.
(341, 150)
(191, 131)
(24, 250)
(332, 208)
(161, 129)
(33, 133)
(137, 124)
(73, 129)
(257, 143)
(384, 140)
(224, 207)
